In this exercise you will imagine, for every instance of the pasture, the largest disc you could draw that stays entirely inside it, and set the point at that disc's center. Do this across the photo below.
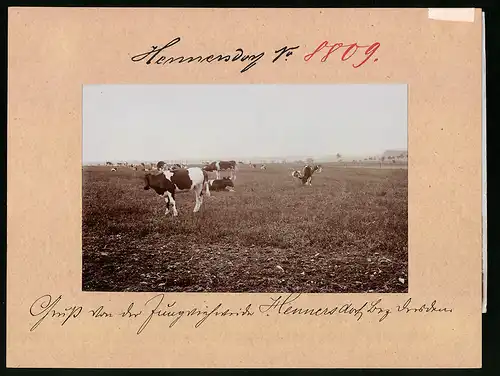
(347, 233)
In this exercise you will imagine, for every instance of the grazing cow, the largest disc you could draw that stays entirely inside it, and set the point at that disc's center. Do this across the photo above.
(168, 183)
(221, 184)
(307, 173)
(219, 166)
(113, 169)
(263, 167)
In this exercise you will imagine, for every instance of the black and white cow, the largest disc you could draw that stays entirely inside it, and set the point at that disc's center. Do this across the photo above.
(221, 184)
(167, 183)
(219, 166)
(306, 176)
(263, 167)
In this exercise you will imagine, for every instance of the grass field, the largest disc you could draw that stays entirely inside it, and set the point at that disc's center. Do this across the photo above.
(346, 233)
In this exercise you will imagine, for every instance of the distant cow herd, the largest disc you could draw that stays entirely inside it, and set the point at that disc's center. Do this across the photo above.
(168, 180)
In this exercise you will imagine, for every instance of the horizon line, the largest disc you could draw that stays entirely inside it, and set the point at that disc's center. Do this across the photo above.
(238, 159)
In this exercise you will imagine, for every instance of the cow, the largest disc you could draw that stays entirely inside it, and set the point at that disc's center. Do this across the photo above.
(167, 183)
(263, 167)
(306, 176)
(219, 166)
(113, 169)
(221, 184)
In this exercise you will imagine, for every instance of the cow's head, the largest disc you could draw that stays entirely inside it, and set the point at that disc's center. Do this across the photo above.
(160, 165)
(228, 185)
(228, 182)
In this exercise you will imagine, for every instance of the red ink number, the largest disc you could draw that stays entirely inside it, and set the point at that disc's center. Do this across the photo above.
(370, 51)
(350, 51)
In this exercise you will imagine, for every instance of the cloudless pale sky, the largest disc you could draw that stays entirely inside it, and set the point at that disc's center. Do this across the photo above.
(168, 122)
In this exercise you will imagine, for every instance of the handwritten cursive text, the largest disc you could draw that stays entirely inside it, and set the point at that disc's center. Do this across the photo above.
(153, 56)
(44, 307)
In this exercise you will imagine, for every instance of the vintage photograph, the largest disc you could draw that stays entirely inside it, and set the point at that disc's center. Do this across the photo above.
(245, 188)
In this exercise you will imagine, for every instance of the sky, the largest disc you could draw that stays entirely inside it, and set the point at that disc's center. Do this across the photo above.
(185, 122)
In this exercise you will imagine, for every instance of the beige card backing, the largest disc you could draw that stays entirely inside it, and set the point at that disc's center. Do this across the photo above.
(54, 52)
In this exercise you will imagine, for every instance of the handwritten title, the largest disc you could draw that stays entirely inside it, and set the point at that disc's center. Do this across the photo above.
(47, 308)
(355, 53)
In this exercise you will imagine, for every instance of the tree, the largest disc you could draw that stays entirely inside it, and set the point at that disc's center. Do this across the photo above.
(339, 156)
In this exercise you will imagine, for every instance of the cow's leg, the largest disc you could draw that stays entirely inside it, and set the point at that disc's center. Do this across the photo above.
(200, 196)
(167, 201)
(217, 174)
(172, 202)
(207, 188)
(197, 196)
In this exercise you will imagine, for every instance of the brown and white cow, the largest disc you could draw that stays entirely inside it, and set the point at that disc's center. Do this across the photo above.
(306, 176)
(219, 166)
(167, 183)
